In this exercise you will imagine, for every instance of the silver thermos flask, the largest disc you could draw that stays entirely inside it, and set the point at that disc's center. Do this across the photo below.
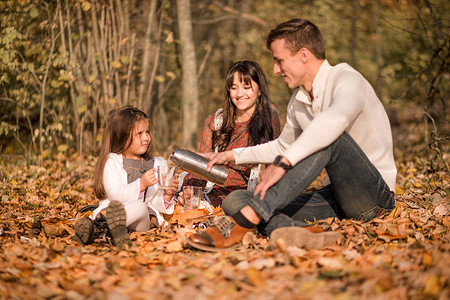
(196, 164)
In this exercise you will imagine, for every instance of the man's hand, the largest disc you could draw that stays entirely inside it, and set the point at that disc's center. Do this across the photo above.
(271, 175)
(219, 158)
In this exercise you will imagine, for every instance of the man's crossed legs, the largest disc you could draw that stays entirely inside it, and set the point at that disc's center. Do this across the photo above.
(356, 191)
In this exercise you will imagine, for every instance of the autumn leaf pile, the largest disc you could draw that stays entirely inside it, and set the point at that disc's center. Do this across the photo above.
(404, 255)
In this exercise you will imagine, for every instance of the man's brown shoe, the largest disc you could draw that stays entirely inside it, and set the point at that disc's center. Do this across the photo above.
(223, 235)
(304, 237)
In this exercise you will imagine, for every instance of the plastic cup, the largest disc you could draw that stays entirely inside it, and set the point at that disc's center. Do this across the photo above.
(192, 196)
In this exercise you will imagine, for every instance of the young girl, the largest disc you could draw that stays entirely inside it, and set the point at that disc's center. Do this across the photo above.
(126, 181)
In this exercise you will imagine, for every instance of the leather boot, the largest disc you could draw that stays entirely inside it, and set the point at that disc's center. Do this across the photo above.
(84, 231)
(206, 223)
(116, 218)
(87, 230)
(223, 235)
(110, 228)
(304, 237)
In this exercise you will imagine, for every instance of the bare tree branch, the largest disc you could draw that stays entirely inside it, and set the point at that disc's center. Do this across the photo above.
(235, 12)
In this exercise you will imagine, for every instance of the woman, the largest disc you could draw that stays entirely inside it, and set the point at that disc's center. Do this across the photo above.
(247, 118)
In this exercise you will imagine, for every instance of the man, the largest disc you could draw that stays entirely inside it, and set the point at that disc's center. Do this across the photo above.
(334, 122)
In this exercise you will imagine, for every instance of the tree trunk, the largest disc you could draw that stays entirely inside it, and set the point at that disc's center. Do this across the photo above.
(143, 80)
(189, 69)
(354, 34)
(243, 28)
(378, 53)
(43, 85)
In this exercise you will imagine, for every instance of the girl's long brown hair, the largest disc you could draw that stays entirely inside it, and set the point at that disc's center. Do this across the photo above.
(260, 126)
(117, 138)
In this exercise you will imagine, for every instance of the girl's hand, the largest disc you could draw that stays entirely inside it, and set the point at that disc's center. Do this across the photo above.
(180, 199)
(171, 186)
(148, 179)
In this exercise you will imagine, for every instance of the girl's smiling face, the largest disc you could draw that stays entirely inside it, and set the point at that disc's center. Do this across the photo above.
(244, 95)
(140, 140)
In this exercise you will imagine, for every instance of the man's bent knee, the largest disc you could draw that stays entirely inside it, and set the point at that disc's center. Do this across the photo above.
(235, 201)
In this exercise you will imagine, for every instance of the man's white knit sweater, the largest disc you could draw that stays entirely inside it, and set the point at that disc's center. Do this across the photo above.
(343, 101)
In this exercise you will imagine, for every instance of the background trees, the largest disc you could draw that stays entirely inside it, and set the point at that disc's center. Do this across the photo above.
(65, 64)
(189, 70)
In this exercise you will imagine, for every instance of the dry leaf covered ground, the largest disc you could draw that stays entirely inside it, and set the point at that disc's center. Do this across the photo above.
(404, 255)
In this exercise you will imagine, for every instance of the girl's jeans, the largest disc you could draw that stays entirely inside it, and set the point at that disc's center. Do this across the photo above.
(357, 190)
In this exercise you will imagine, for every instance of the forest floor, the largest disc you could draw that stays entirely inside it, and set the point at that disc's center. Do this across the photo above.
(403, 255)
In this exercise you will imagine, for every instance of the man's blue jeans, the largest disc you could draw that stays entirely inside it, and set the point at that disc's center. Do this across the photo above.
(357, 190)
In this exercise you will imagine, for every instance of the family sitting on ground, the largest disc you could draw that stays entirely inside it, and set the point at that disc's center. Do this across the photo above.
(335, 122)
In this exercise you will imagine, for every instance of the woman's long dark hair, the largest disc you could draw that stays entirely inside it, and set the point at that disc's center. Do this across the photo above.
(260, 126)
(117, 138)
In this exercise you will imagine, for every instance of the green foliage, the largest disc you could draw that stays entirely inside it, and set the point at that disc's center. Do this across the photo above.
(62, 71)
(6, 128)
(416, 40)
(24, 56)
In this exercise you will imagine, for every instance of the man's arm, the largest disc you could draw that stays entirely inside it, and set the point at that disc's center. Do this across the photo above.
(266, 153)
(263, 153)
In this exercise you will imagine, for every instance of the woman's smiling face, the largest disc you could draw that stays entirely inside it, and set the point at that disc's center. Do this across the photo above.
(244, 95)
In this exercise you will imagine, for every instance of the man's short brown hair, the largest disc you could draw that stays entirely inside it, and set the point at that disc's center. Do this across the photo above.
(299, 33)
